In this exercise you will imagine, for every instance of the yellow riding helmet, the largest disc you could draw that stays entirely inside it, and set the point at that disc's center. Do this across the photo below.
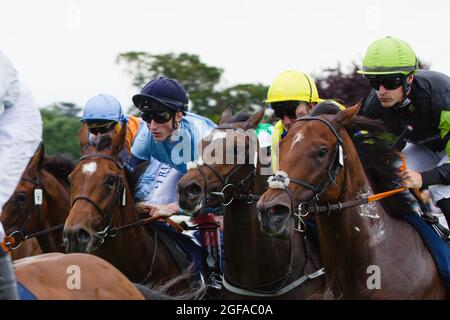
(293, 85)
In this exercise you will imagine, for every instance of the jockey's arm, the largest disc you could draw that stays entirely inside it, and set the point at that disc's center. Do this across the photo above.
(158, 210)
(134, 161)
(440, 174)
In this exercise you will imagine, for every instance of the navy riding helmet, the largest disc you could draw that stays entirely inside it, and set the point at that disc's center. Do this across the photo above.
(163, 91)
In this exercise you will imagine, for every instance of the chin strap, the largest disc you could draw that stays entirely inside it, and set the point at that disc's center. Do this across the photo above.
(406, 90)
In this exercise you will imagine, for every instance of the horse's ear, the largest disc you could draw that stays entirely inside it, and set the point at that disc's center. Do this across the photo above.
(38, 158)
(255, 119)
(227, 114)
(344, 117)
(119, 139)
(83, 136)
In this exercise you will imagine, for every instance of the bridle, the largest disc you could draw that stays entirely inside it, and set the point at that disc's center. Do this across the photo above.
(254, 290)
(311, 205)
(119, 193)
(248, 197)
(10, 240)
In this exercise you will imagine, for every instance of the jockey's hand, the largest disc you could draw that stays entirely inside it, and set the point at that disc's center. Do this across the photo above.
(411, 179)
(157, 211)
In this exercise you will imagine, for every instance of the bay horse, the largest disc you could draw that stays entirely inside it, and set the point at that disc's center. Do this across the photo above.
(102, 203)
(256, 266)
(368, 251)
(26, 217)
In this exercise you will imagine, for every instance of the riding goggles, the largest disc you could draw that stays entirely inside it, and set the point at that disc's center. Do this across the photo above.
(101, 128)
(158, 117)
(285, 108)
(391, 83)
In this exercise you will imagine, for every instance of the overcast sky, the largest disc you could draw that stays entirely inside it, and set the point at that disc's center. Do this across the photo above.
(66, 50)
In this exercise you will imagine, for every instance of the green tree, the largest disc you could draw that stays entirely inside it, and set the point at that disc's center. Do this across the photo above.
(61, 125)
(199, 79)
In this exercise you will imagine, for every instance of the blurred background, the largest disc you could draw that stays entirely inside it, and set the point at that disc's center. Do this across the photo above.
(221, 51)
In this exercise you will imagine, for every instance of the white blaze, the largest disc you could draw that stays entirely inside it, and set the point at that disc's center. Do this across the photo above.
(89, 168)
(298, 137)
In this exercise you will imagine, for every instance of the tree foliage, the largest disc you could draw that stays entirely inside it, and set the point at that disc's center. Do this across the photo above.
(61, 125)
(200, 80)
(348, 87)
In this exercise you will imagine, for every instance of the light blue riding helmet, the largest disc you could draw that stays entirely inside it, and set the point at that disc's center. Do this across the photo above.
(103, 107)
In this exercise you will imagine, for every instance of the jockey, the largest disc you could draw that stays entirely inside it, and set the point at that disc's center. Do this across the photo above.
(20, 136)
(404, 96)
(291, 95)
(104, 115)
(171, 136)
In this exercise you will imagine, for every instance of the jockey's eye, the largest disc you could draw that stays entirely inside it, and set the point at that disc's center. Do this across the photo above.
(20, 198)
(323, 152)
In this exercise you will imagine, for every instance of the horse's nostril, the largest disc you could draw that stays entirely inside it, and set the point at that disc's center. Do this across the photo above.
(82, 236)
(193, 190)
(279, 212)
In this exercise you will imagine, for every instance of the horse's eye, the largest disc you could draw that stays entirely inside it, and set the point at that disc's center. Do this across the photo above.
(110, 180)
(323, 152)
(20, 198)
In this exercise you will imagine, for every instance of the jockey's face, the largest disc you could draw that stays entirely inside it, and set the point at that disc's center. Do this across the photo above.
(302, 110)
(289, 111)
(389, 98)
(162, 131)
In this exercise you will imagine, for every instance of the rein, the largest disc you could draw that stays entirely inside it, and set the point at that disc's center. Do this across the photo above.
(282, 181)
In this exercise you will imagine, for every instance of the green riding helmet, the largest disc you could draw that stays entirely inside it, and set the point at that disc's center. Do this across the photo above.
(389, 56)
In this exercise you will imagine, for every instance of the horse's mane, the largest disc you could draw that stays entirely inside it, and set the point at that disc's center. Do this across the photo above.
(379, 161)
(60, 166)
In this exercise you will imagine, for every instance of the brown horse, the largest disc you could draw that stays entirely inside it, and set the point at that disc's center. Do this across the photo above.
(25, 217)
(367, 250)
(57, 276)
(27, 249)
(256, 265)
(102, 202)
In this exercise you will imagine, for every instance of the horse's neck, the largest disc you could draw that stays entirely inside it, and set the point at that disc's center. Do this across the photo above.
(131, 250)
(250, 256)
(353, 239)
(57, 198)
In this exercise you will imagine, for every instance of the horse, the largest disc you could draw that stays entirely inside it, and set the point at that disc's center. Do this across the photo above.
(368, 251)
(27, 249)
(256, 265)
(77, 276)
(40, 204)
(103, 221)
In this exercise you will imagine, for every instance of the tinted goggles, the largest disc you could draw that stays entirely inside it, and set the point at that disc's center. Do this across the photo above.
(387, 83)
(102, 128)
(285, 108)
(158, 117)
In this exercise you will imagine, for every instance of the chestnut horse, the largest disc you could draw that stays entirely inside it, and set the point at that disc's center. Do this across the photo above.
(102, 203)
(368, 251)
(26, 217)
(57, 276)
(256, 265)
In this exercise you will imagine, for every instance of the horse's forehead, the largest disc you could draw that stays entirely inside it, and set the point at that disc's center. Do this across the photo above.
(219, 137)
(89, 168)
